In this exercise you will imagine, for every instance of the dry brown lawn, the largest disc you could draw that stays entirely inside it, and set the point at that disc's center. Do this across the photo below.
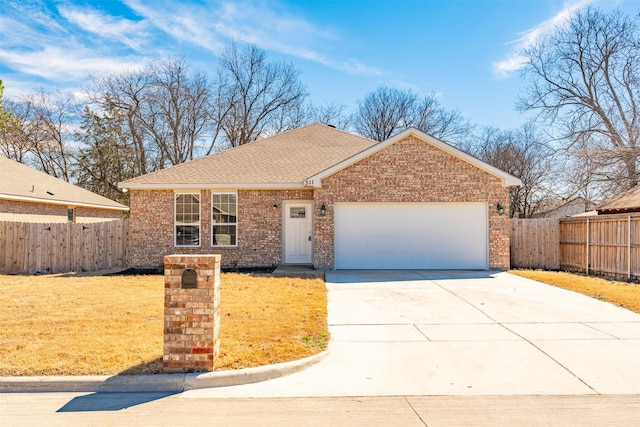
(623, 294)
(105, 325)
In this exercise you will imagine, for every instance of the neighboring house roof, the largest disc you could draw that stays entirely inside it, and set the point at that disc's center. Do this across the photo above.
(21, 183)
(297, 158)
(560, 208)
(588, 213)
(629, 201)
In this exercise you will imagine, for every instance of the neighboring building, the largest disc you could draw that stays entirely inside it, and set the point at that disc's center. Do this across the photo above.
(561, 208)
(626, 202)
(324, 197)
(28, 195)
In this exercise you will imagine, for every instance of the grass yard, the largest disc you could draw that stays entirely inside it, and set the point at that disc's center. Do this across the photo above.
(99, 325)
(623, 294)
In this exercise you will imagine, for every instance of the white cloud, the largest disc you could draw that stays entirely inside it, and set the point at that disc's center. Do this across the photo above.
(40, 47)
(185, 23)
(61, 64)
(122, 30)
(515, 61)
(213, 24)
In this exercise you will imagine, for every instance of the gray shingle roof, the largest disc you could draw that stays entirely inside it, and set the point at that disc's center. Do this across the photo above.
(20, 182)
(286, 159)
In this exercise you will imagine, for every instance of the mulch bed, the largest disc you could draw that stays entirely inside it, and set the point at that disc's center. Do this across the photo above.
(160, 271)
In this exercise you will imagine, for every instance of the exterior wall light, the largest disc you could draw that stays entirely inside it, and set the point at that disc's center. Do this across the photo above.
(500, 208)
(323, 209)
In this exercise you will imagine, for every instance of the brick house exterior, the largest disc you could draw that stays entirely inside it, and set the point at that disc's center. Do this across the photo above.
(46, 212)
(409, 168)
(28, 195)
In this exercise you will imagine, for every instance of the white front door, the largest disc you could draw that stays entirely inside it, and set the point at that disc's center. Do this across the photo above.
(298, 239)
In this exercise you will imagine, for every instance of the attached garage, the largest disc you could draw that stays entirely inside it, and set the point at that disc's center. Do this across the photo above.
(411, 235)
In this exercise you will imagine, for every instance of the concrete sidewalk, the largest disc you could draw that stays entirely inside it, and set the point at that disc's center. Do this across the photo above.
(149, 409)
(462, 333)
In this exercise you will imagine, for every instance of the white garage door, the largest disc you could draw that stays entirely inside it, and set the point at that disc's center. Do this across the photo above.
(411, 236)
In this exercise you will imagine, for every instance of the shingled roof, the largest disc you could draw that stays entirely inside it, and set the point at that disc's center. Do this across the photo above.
(281, 161)
(22, 183)
(629, 201)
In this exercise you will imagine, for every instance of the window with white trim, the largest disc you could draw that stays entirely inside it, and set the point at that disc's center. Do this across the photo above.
(187, 219)
(224, 219)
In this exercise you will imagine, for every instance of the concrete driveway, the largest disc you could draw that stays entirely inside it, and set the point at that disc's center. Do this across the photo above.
(462, 333)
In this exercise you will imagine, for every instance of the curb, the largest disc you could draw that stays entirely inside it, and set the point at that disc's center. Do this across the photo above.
(176, 383)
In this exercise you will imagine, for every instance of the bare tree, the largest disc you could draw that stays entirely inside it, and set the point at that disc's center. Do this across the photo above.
(524, 154)
(41, 132)
(167, 109)
(387, 111)
(176, 111)
(256, 97)
(331, 114)
(446, 125)
(584, 80)
(127, 94)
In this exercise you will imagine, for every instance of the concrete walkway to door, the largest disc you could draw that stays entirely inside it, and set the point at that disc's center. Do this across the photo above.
(462, 333)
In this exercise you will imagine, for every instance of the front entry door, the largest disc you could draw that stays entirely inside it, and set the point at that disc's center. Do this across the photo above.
(298, 239)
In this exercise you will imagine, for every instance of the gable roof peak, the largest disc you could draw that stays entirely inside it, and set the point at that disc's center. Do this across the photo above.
(508, 180)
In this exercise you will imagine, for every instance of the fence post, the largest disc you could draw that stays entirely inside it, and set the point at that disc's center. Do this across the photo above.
(587, 254)
(629, 247)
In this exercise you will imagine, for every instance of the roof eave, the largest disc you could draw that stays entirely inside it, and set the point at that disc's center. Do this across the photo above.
(622, 210)
(61, 202)
(207, 186)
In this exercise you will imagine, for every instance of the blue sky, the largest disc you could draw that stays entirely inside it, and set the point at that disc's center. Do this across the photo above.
(462, 51)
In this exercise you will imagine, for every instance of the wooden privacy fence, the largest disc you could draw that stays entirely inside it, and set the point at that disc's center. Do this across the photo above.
(29, 248)
(606, 244)
(534, 243)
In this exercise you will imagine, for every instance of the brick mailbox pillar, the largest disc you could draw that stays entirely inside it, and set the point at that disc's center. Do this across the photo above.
(191, 312)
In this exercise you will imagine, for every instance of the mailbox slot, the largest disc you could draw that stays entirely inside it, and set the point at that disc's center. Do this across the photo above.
(189, 279)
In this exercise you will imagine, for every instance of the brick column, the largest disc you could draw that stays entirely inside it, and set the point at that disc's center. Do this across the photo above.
(191, 313)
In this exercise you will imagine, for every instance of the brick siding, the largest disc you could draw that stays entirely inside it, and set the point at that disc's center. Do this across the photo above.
(47, 212)
(259, 240)
(412, 171)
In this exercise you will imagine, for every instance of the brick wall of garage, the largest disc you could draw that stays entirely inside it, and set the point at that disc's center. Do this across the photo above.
(151, 223)
(412, 170)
